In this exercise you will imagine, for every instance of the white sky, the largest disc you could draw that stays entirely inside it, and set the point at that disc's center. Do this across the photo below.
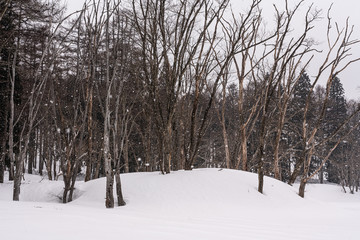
(340, 11)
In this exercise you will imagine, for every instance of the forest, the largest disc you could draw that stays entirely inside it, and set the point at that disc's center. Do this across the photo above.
(166, 85)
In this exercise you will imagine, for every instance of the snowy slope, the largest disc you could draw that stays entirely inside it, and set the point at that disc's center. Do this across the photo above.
(201, 204)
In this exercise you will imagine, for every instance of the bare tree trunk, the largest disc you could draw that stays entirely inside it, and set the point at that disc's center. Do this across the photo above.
(97, 168)
(302, 187)
(11, 122)
(2, 165)
(3, 142)
(223, 124)
(299, 163)
(41, 166)
(126, 154)
(168, 148)
(109, 198)
(89, 164)
(243, 154)
(322, 175)
(66, 188)
(108, 161)
(226, 143)
(47, 155)
(18, 177)
(120, 197)
(73, 181)
(32, 152)
(280, 125)
(54, 165)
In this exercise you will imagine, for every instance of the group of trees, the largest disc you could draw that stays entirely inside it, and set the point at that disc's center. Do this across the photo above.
(158, 85)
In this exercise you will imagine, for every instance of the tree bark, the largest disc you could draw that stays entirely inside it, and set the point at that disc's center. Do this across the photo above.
(18, 176)
(126, 154)
(302, 188)
(2, 167)
(243, 155)
(120, 197)
(89, 163)
(32, 153)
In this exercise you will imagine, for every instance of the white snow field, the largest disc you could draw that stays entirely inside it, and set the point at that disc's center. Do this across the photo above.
(202, 204)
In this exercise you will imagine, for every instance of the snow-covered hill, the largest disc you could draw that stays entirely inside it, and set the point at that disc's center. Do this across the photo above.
(201, 204)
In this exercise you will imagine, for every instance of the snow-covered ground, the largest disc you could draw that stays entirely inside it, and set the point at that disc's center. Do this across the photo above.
(201, 204)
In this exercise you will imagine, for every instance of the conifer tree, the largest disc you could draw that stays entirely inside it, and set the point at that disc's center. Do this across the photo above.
(296, 113)
(336, 113)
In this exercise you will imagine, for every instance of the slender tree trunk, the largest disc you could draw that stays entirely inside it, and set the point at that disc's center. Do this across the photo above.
(3, 137)
(40, 149)
(168, 148)
(41, 166)
(2, 158)
(243, 154)
(17, 180)
(227, 150)
(47, 156)
(89, 164)
(321, 175)
(11, 126)
(260, 154)
(307, 161)
(280, 125)
(109, 198)
(73, 181)
(54, 160)
(120, 197)
(32, 153)
(126, 154)
(97, 168)
(2, 167)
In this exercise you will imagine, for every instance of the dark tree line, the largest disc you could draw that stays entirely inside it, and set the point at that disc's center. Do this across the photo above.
(156, 85)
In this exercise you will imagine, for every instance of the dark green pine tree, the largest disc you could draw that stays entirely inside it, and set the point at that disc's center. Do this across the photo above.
(294, 125)
(336, 113)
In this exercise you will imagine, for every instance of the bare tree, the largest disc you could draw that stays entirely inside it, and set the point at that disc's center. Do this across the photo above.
(175, 47)
(287, 57)
(336, 61)
(33, 103)
(244, 34)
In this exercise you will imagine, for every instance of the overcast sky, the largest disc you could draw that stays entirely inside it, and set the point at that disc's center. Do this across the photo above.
(340, 11)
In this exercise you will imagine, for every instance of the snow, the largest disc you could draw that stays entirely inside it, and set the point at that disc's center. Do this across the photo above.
(200, 204)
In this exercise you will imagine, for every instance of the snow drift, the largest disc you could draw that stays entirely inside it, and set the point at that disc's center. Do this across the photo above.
(200, 204)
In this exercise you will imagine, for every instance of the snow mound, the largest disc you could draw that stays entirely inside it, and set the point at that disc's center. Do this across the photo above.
(200, 188)
(200, 204)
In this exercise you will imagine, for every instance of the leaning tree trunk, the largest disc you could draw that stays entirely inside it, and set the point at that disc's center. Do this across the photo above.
(302, 188)
(73, 181)
(120, 197)
(296, 172)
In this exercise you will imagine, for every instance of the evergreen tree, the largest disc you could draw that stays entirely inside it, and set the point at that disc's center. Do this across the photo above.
(294, 126)
(336, 113)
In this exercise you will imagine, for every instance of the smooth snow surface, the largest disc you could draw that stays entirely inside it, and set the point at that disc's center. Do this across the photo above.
(203, 204)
